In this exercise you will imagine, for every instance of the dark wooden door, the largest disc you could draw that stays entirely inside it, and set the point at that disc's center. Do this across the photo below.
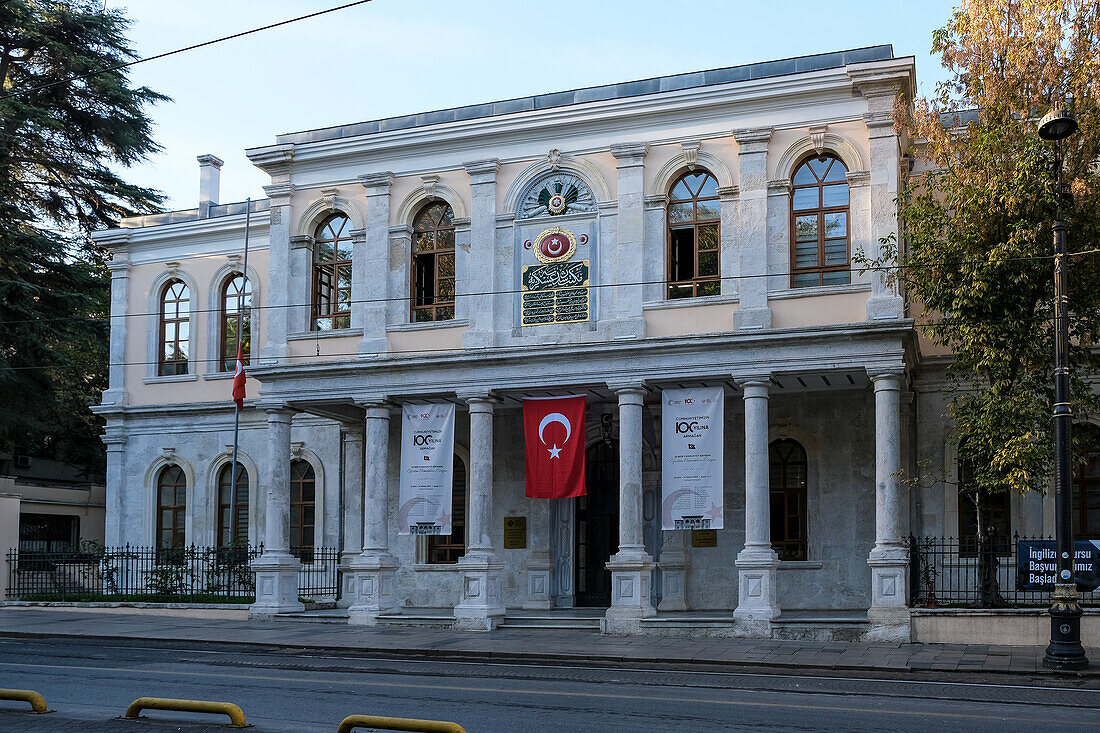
(597, 525)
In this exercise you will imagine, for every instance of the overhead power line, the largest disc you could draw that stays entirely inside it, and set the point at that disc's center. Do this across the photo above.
(192, 47)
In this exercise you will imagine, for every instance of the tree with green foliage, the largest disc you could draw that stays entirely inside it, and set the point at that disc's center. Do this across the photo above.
(977, 227)
(68, 118)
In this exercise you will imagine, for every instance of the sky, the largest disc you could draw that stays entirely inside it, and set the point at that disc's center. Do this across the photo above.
(394, 57)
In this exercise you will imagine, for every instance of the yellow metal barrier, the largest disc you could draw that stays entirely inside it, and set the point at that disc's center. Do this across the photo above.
(379, 722)
(236, 715)
(38, 703)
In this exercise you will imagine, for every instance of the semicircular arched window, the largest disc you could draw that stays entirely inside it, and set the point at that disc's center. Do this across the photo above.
(433, 263)
(332, 247)
(820, 240)
(787, 473)
(171, 508)
(694, 236)
(303, 505)
(236, 320)
(175, 328)
(232, 506)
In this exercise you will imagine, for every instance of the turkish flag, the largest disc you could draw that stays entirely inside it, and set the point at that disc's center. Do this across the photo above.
(553, 435)
(238, 380)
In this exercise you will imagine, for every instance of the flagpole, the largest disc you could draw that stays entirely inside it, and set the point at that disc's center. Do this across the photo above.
(236, 407)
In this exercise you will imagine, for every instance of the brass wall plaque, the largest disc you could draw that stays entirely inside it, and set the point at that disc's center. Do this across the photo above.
(704, 538)
(515, 533)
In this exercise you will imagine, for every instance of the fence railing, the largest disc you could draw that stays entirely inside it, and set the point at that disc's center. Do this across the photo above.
(947, 571)
(191, 574)
(318, 575)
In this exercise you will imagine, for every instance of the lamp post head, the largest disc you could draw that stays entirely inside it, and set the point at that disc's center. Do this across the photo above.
(1057, 124)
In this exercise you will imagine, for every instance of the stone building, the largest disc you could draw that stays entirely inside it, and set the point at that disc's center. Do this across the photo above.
(720, 216)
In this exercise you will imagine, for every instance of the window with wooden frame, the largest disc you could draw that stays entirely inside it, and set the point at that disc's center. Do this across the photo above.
(303, 503)
(820, 239)
(232, 506)
(694, 236)
(332, 249)
(433, 263)
(171, 508)
(994, 508)
(1086, 486)
(446, 550)
(788, 475)
(175, 329)
(236, 321)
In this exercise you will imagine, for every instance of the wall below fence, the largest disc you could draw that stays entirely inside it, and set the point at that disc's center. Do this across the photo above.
(1007, 627)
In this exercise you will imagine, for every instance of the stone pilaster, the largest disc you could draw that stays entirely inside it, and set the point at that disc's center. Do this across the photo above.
(631, 567)
(757, 562)
(373, 569)
(276, 160)
(116, 459)
(889, 615)
(352, 437)
(482, 273)
(752, 233)
(729, 260)
(372, 271)
(479, 608)
(276, 569)
(624, 264)
(116, 240)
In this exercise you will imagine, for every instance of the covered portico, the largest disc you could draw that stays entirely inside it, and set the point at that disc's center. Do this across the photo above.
(649, 569)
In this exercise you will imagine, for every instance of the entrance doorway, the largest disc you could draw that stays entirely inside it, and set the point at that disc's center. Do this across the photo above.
(597, 525)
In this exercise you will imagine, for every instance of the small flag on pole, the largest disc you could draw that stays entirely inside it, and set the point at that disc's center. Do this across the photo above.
(238, 380)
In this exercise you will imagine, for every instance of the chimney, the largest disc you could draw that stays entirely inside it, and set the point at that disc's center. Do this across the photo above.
(210, 172)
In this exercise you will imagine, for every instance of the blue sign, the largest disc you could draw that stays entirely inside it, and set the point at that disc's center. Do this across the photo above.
(1037, 565)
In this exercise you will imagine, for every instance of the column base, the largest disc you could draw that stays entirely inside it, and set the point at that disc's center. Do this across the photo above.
(752, 319)
(756, 591)
(884, 307)
(480, 608)
(631, 584)
(889, 615)
(374, 592)
(538, 581)
(347, 579)
(276, 586)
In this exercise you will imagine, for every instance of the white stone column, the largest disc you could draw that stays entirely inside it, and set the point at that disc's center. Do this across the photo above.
(116, 483)
(276, 160)
(352, 438)
(631, 567)
(116, 240)
(374, 568)
(482, 275)
(889, 615)
(757, 562)
(479, 608)
(276, 569)
(624, 263)
(371, 270)
(752, 159)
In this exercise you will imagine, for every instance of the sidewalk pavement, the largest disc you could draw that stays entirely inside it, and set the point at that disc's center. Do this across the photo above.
(550, 646)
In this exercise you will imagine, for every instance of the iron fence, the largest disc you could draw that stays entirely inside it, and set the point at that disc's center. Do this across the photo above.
(191, 574)
(318, 575)
(949, 572)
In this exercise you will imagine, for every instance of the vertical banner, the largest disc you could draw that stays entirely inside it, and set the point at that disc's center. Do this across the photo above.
(691, 465)
(427, 461)
(553, 437)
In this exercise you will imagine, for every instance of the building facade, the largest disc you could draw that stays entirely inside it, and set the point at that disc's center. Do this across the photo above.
(715, 223)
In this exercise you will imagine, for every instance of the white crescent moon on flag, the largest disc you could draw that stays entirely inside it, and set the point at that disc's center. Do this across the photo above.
(240, 368)
(554, 417)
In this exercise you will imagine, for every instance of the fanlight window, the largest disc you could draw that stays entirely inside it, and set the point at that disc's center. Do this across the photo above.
(332, 274)
(694, 237)
(236, 321)
(433, 264)
(820, 240)
(175, 328)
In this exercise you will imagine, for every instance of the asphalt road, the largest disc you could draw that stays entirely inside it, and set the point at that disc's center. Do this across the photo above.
(90, 684)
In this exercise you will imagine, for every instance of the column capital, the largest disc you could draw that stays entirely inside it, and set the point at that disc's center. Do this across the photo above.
(277, 411)
(728, 192)
(886, 377)
(279, 191)
(358, 236)
(376, 408)
(377, 184)
(301, 241)
(630, 154)
(482, 171)
(753, 379)
(753, 139)
(630, 387)
(779, 187)
(479, 397)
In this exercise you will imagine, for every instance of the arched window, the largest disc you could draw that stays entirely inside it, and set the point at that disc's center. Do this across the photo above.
(332, 274)
(819, 223)
(175, 328)
(447, 550)
(433, 263)
(232, 506)
(303, 501)
(1086, 486)
(995, 509)
(694, 236)
(787, 469)
(236, 318)
(171, 508)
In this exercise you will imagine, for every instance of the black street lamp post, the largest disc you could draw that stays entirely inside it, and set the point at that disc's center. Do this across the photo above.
(1064, 652)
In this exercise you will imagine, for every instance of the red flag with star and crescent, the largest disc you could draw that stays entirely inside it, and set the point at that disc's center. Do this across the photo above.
(238, 379)
(553, 435)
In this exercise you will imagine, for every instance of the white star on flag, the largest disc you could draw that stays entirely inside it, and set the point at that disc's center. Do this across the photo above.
(554, 451)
